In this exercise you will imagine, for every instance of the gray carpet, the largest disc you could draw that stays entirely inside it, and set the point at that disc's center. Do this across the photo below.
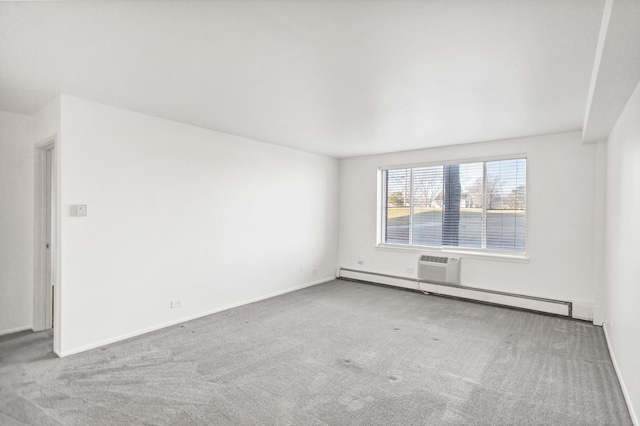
(340, 353)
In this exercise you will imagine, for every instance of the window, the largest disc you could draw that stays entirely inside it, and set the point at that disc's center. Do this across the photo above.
(479, 205)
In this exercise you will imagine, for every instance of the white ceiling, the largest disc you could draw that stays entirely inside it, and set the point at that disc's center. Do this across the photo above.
(617, 69)
(339, 78)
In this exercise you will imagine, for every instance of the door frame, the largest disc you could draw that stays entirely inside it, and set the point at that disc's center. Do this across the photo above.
(44, 300)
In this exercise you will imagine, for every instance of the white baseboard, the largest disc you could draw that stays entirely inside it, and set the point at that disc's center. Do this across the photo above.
(598, 315)
(15, 330)
(189, 318)
(625, 393)
(532, 303)
(583, 310)
(410, 283)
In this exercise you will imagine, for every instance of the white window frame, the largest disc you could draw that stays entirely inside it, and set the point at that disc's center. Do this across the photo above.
(480, 253)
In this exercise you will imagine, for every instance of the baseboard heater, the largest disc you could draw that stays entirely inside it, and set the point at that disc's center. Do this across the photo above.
(530, 303)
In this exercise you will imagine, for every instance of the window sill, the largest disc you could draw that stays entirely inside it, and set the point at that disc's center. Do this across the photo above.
(470, 254)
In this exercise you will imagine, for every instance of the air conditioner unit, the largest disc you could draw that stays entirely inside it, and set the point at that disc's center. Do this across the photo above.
(439, 269)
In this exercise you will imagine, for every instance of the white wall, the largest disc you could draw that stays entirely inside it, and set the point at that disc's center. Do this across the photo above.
(181, 212)
(18, 136)
(622, 250)
(46, 127)
(560, 229)
(46, 122)
(16, 222)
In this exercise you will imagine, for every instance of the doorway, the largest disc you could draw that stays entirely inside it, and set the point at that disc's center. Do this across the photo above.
(46, 289)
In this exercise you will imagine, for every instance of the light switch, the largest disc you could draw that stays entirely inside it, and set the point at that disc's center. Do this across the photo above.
(79, 210)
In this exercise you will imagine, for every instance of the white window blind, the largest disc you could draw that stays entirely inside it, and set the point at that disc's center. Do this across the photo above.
(480, 205)
(505, 203)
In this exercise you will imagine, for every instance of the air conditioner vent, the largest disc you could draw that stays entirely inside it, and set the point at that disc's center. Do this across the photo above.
(434, 259)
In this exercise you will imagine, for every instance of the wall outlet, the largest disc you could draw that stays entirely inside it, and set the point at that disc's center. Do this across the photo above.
(314, 272)
(176, 303)
(79, 210)
(409, 270)
(360, 262)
